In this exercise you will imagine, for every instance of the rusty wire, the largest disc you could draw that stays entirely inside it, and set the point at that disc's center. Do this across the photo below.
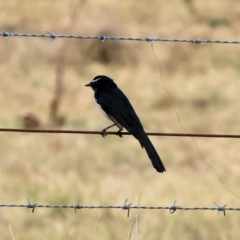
(51, 131)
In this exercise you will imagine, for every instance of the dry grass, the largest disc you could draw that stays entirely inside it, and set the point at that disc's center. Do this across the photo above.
(203, 81)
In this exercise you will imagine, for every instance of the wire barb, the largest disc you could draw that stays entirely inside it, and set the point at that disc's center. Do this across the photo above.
(150, 40)
(173, 208)
(198, 41)
(31, 206)
(53, 35)
(221, 209)
(126, 207)
(6, 34)
(102, 38)
(77, 206)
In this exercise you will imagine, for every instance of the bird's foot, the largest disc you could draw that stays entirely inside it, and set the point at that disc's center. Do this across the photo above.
(104, 133)
(119, 133)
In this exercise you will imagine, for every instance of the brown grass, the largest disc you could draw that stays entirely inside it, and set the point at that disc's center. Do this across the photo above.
(203, 81)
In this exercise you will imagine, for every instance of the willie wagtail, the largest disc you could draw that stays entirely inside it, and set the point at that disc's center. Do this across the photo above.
(116, 107)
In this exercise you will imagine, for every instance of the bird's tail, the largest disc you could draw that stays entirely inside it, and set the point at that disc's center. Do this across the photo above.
(152, 153)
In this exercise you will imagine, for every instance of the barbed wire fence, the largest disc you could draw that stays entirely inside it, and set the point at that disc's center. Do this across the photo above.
(53, 35)
(127, 207)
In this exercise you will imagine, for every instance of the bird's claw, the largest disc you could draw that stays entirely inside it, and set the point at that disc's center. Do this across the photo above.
(104, 133)
(119, 133)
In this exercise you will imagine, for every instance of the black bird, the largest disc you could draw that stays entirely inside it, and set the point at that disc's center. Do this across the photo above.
(116, 107)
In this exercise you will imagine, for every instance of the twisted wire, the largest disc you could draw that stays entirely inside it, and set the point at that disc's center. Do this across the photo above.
(53, 35)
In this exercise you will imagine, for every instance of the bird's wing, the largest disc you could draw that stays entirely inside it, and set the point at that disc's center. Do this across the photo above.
(116, 104)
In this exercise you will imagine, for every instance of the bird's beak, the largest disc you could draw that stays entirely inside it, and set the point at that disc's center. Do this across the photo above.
(88, 85)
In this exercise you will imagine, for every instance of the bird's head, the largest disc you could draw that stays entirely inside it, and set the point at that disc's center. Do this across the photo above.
(101, 82)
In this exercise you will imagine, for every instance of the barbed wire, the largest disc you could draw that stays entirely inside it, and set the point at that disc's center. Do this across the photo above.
(125, 206)
(53, 36)
(52, 131)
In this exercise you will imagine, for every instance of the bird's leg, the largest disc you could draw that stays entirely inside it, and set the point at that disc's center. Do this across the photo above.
(104, 131)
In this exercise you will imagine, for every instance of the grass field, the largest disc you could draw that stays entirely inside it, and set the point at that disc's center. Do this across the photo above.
(202, 80)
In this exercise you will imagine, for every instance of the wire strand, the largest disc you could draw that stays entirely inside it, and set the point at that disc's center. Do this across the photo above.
(53, 131)
(127, 207)
(53, 35)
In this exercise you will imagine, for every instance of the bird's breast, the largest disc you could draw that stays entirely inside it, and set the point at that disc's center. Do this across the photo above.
(100, 107)
(108, 116)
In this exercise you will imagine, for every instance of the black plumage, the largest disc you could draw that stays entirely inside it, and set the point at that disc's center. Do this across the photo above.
(116, 106)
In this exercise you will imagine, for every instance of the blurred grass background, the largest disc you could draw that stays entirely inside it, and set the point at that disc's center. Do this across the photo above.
(42, 85)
